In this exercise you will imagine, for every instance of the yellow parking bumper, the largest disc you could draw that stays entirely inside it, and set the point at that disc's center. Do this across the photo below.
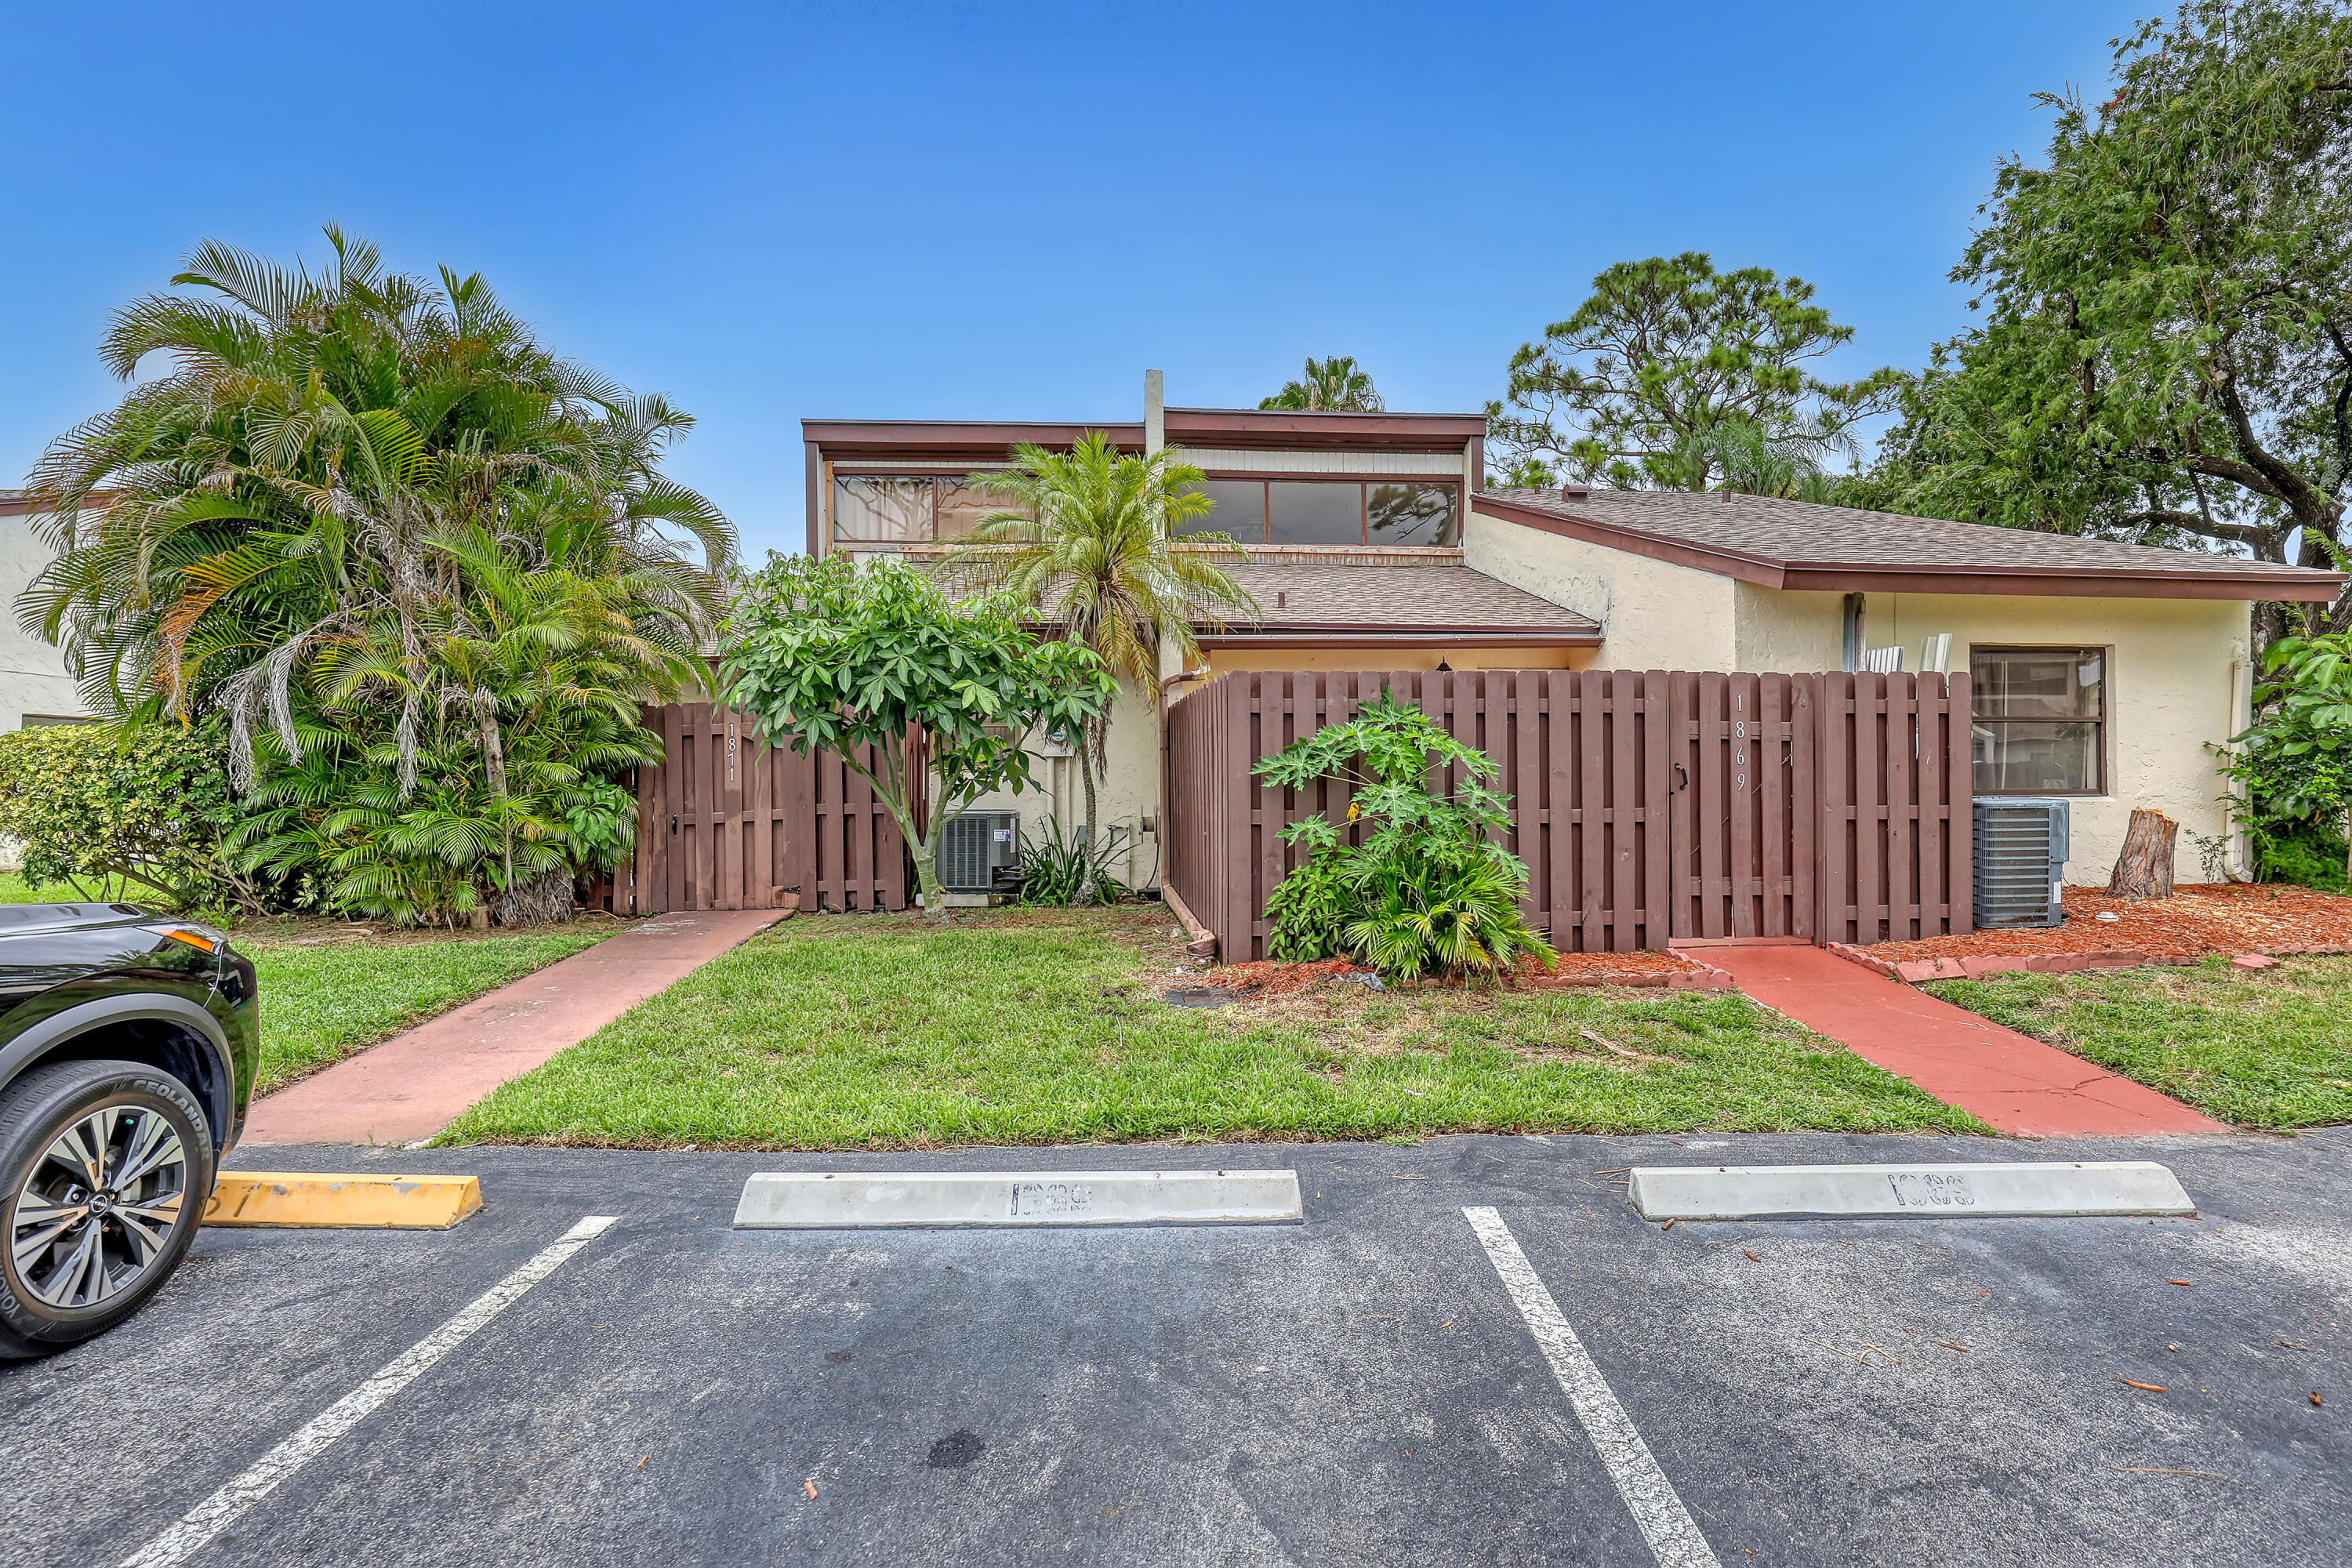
(305, 1198)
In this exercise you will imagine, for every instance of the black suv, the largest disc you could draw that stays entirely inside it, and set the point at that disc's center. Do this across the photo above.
(128, 1045)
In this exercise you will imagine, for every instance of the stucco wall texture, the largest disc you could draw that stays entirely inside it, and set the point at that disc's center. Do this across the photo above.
(1124, 795)
(33, 678)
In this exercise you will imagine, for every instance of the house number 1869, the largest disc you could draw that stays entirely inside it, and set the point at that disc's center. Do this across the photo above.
(1739, 752)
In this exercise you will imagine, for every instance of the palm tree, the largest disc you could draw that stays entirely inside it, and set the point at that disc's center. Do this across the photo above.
(1333, 386)
(527, 688)
(280, 493)
(1740, 455)
(1093, 551)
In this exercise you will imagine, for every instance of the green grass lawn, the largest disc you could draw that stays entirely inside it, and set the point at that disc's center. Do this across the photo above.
(875, 1031)
(2272, 1049)
(320, 1003)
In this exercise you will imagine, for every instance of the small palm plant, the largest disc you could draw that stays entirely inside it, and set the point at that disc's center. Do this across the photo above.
(1093, 552)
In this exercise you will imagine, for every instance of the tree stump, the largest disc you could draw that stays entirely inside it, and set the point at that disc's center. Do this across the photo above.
(2144, 870)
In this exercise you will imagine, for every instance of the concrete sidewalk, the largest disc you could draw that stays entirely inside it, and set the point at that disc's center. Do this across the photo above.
(413, 1084)
(2011, 1081)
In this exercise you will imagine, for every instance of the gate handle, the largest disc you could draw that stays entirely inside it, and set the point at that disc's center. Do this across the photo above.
(673, 824)
(1678, 768)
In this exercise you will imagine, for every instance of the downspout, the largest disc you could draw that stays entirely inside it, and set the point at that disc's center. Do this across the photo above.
(1856, 631)
(2239, 867)
(1167, 858)
(1155, 441)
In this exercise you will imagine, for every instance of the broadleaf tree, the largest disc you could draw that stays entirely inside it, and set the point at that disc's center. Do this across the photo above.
(836, 658)
(1094, 553)
(2167, 351)
(1666, 362)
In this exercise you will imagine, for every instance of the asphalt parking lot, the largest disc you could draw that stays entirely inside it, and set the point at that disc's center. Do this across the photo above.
(1357, 1389)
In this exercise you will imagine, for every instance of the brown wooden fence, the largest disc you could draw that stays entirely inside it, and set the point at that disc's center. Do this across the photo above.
(1649, 806)
(726, 823)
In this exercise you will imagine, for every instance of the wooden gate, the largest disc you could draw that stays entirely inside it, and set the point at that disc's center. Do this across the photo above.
(1648, 805)
(726, 823)
(1896, 787)
(1742, 806)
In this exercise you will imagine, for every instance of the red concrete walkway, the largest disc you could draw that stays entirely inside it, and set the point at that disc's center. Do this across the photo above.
(411, 1085)
(2011, 1081)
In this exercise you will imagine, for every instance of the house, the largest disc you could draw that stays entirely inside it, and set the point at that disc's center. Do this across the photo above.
(34, 686)
(2110, 673)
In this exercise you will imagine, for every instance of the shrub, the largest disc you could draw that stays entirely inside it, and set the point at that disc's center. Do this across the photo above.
(1067, 871)
(122, 812)
(453, 848)
(1426, 890)
(1309, 908)
(2294, 766)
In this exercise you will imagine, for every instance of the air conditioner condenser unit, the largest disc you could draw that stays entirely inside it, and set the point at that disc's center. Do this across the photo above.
(976, 843)
(2021, 860)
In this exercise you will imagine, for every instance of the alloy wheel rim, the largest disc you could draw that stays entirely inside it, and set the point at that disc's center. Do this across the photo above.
(98, 1206)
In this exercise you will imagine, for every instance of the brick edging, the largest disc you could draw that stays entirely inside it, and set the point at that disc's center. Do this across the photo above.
(1911, 971)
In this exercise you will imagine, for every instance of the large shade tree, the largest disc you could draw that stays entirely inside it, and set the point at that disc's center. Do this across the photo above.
(1093, 547)
(1669, 365)
(2167, 349)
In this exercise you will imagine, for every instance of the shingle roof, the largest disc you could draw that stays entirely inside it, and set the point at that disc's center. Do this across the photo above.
(1804, 536)
(1415, 599)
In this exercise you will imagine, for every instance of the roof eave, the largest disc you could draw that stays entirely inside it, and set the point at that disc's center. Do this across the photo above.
(1419, 637)
(2303, 585)
(1838, 577)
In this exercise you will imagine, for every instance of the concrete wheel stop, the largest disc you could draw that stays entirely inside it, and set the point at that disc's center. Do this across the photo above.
(309, 1199)
(2052, 1187)
(822, 1200)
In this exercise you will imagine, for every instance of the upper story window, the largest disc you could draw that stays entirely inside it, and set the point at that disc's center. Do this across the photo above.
(923, 508)
(2039, 716)
(908, 508)
(1333, 511)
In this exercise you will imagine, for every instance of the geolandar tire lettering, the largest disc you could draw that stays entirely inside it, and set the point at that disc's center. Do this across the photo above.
(105, 1168)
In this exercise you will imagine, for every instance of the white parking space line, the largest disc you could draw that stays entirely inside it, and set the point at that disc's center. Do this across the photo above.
(1674, 1536)
(221, 1510)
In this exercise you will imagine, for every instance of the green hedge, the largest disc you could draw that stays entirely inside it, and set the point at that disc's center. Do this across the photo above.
(110, 812)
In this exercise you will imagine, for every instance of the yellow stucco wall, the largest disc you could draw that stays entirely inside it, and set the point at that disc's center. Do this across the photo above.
(2174, 671)
(1224, 659)
(1657, 615)
(1126, 793)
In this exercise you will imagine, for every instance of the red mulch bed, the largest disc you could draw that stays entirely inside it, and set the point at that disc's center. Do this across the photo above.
(1265, 978)
(2221, 917)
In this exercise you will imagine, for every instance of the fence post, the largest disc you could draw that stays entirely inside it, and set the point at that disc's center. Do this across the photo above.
(1959, 796)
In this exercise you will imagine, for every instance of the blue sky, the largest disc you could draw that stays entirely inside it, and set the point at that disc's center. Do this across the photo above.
(772, 211)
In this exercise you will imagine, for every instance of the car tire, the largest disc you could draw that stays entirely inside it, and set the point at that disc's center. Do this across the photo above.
(105, 1169)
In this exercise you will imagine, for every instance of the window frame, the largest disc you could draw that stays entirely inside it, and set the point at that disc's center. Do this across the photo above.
(946, 475)
(2101, 750)
(938, 479)
(1266, 480)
